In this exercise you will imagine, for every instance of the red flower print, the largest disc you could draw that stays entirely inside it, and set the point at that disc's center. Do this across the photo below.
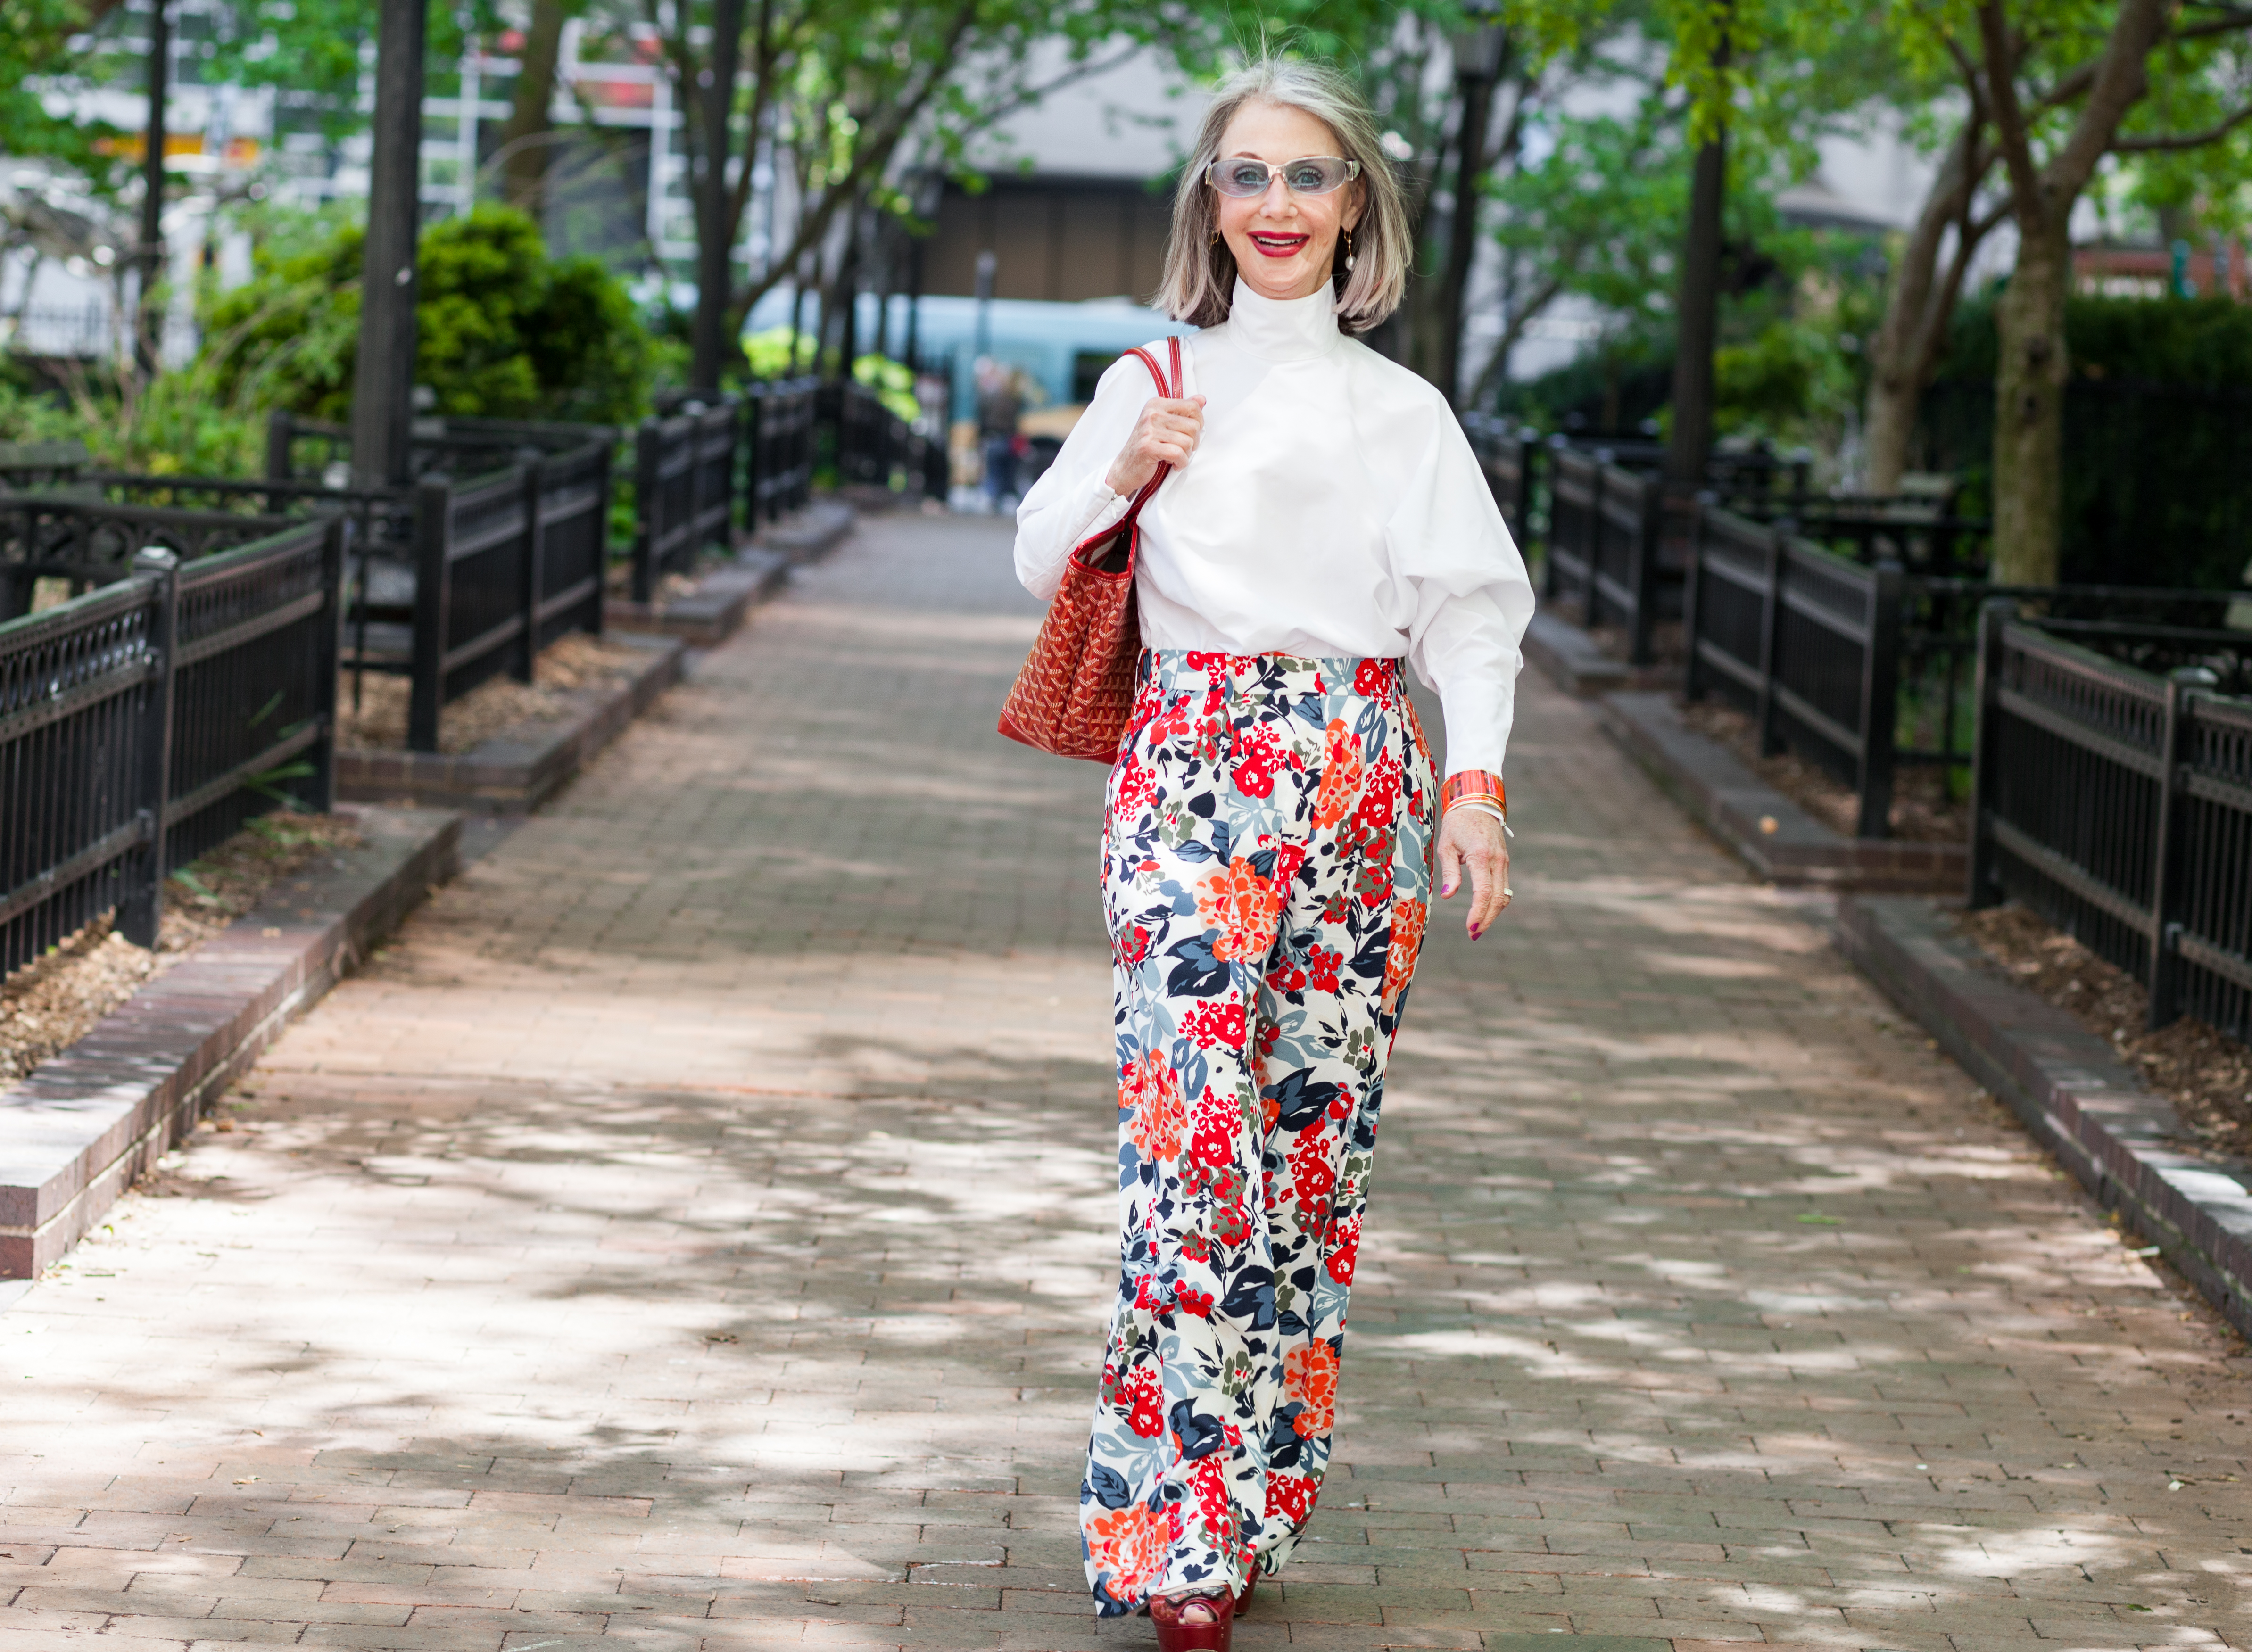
(1231, 1224)
(1213, 1021)
(1408, 917)
(1127, 1547)
(1322, 966)
(1132, 948)
(1372, 678)
(1258, 757)
(1193, 1301)
(1312, 1174)
(1196, 1248)
(1146, 1415)
(1208, 1480)
(1310, 1375)
(1145, 1294)
(1340, 787)
(1345, 1237)
(1151, 1092)
(1243, 907)
(1291, 1497)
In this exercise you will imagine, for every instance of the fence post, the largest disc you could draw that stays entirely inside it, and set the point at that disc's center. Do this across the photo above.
(1778, 555)
(606, 463)
(649, 508)
(1649, 530)
(281, 434)
(528, 576)
(433, 523)
(1692, 593)
(318, 790)
(140, 902)
(1548, 580)
(1982, 889)
(1880, 700)
(728, 491)
(2166, 858)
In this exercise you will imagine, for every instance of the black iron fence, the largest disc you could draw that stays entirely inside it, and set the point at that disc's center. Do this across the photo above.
(876, 447)
(503, 564)
(143, 723)
(782, 421)
(80, 545)
(1807, 642)
(2118, 805)
(1861, 669)
(1608, 551)
(683, 488)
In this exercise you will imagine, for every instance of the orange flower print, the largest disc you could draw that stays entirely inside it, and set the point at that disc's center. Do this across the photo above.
(1244, 907)
(1310, 1374)
(1340, 776)
(1127, 1547)
(1151, 1092)
(1400, 957)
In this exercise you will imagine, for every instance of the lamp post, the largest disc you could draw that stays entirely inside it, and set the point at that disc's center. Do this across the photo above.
(383, 387)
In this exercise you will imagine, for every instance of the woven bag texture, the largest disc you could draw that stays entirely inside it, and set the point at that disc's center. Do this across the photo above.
(1075, 692)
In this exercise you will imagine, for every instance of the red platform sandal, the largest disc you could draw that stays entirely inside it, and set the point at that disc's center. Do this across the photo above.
(1180, 1632)
(1243, 1600)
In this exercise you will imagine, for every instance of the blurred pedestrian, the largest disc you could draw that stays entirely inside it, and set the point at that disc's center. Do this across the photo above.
(1274, 820)
(1000, 406)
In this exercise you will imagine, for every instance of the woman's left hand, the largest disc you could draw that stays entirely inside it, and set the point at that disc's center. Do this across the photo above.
(1471, 838)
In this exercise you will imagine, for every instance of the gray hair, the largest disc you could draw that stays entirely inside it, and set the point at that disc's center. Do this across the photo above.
(1200, 279)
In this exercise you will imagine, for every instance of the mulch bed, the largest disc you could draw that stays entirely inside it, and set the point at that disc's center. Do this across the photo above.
(51, 1004)
(1921, 811)
(501, 705)
(2205, 1074)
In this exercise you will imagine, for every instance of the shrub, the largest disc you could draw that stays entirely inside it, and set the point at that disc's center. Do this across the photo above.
(504, 331)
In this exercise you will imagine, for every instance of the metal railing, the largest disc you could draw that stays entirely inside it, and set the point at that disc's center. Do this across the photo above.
(683, 488)
(88, 543)
(780, 424)
(877, 447)
(503, 564)
(1606, 545)
(2118, 805)
(1807, 642)
(1862, 668)
(141, 723)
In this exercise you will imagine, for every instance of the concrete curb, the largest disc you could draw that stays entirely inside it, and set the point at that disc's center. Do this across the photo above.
(2080, 1102)
(504, 776)
(712, 613)
(810, 535)
(1770, 834)
(76, 1134)
(1568, 657)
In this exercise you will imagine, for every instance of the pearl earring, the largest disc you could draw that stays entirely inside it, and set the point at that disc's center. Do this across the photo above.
(1348, 249)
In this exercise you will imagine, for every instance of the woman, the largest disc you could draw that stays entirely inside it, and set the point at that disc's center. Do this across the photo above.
(1269, 846)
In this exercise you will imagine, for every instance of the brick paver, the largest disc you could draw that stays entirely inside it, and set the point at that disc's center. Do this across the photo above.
(692, 1233)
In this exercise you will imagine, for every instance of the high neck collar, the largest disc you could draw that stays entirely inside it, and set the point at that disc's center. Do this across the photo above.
(1282, 330)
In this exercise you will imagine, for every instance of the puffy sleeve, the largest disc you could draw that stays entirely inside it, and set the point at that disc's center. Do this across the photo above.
(1472, 596)
(1070, 500)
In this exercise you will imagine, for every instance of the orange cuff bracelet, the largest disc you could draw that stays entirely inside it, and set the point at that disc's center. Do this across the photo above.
(1472, 782)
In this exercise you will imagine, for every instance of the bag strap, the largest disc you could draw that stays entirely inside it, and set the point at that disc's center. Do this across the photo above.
(1169, 389)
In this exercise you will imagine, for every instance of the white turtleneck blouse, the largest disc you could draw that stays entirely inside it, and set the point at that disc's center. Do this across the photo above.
(1332, 507)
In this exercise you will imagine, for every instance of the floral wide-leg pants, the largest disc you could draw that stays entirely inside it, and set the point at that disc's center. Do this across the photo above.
(1267, 869)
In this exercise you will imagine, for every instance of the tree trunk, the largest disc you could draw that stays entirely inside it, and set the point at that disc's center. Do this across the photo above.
(1696, 319)
(711, 351)
(1916, 312)
(150, 332)
(1440, 343)
(2029, 409)
(527, 141)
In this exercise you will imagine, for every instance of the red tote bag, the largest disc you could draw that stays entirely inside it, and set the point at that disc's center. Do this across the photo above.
(1076, 689)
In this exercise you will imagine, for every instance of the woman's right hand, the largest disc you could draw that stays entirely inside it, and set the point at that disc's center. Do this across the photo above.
(1165, 435)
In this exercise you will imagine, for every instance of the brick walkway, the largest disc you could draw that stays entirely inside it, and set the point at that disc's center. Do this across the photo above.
(691, 1233)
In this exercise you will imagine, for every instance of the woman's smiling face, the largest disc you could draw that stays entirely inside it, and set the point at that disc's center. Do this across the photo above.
(1285, 245)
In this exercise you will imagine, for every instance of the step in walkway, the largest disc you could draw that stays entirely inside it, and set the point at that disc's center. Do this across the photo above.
(692, 1233)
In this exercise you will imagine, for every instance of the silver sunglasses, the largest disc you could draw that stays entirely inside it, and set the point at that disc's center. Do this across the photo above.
(1242, 176)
